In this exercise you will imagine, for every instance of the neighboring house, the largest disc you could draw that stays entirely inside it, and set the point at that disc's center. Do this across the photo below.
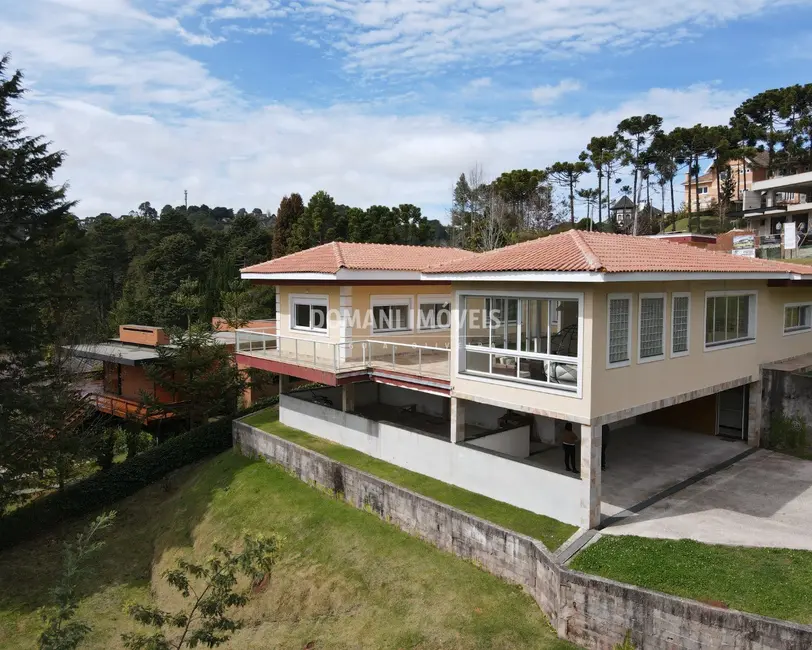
(125, 380)
(495, 352)
(622, 211)
(743, 172)
(767, 210)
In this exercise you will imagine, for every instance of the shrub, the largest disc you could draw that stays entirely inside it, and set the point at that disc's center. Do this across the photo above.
(121, 480)
(788, 433)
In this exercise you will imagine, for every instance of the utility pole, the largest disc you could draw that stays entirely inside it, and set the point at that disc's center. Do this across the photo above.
(186, 199)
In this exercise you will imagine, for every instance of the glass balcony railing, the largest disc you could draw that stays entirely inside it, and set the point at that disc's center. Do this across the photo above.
(405, 358)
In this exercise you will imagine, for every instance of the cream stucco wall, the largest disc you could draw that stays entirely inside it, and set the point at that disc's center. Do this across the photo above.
(617, 389)
(524, 397)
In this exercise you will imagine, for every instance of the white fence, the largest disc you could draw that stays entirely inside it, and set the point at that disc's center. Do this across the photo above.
(491, 474)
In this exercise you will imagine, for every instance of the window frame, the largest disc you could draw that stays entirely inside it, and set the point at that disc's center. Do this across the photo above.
(640, 298)
(687, 351)
(460, 371)
(628, 298)
(796, 330)
(321, 300)
(433, 299)
(752, 320)
(392, 301)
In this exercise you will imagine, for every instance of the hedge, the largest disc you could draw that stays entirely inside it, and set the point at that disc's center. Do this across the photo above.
(123, 479)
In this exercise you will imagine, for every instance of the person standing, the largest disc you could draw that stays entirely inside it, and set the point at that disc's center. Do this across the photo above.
(604, 442)
(570, 444)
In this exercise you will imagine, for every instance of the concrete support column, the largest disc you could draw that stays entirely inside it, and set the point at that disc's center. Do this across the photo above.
(457, 419)
(754, 413)
(590, 476)
(284, 385)
(770, 198)
(348, 398)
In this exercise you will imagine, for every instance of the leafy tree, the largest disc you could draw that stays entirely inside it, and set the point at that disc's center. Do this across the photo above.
(601, 152)
(528, 195)
(238, 304)
(317, 224)
(291, 210)
(61, 631)
(211, 591)
(567, 174)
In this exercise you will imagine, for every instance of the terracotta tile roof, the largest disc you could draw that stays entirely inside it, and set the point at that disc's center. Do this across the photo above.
(329, 258)
(576, 250)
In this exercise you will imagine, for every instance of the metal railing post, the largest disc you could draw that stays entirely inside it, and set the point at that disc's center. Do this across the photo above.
(296, 350)
(419, 361)
(393, 356)
(314, 353)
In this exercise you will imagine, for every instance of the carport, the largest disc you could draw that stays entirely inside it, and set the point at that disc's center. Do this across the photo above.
(644, 461)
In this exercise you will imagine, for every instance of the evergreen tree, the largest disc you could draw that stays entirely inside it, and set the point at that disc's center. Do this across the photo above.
(38, 242)
(291, 209)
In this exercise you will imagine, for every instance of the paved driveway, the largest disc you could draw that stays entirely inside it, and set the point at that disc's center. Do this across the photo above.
(764, 499)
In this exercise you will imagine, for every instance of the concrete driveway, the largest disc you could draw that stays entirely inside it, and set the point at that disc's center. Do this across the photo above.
(764, 499)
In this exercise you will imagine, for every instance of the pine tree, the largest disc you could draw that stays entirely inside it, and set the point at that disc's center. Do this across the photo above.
(38, 241)
(290, 211)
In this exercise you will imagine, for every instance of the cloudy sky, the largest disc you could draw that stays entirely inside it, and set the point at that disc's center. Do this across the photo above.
(376, 101)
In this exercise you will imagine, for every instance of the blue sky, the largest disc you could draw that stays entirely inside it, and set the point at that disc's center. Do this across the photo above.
(375, 101)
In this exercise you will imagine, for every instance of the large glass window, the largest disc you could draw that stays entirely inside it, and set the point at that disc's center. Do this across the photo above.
(797, 318)
(531, 340)
(309, 313)
(729, 318)
(619, 337)
(680, 318)
(391, 315)
(652, 327)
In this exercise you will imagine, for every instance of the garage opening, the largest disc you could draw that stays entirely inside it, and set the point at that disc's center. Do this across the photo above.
(732, 413)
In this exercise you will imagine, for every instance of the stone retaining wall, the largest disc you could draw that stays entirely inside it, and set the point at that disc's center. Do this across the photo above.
(587, 610)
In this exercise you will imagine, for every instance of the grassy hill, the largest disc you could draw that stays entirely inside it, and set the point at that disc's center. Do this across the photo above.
(346, 579)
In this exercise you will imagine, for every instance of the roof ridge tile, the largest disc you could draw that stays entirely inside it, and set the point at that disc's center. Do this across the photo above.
(339, 256)
(592, 260)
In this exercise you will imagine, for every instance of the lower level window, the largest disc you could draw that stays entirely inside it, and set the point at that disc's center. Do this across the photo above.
(730, 318)
(797, 318)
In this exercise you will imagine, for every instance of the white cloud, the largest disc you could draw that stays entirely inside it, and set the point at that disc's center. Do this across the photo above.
(551, 94)
(140, 121)
(410, 36)
(479, 83)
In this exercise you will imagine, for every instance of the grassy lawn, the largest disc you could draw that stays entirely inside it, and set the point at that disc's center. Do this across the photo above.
(345, 579)
(766, 581)
(551, 532)
(707, 224)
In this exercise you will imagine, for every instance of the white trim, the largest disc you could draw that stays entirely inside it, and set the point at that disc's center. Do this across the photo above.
(753, 322)
(641, 297)
(619, 296)
(389, 301)
(433, 299)
(287, 276)
(353, 274)
(671, 353)
(796, 330)
(590, 276)
(321, 300)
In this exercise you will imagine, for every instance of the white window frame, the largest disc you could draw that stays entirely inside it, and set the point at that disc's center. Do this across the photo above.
(619, 296)
(312, 301)
(433, 299)
(796, 330)
(640, 298)
(461, 348)
(392, 301)
(753, 320)
(687, 351)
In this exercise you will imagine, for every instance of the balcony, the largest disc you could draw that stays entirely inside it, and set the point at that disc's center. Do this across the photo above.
(353, 357)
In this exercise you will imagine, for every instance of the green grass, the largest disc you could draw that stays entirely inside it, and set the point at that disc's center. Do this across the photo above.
(768, 581)
(708, 224)
(345, 578)
(551, 532)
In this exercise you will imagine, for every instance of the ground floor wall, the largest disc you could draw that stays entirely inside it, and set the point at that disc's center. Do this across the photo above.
(469, 466)
(786, 407)
(590, 611)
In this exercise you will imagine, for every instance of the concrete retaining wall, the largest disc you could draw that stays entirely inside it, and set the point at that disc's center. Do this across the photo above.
(473, 468)
(587, 610)
(787, 394)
